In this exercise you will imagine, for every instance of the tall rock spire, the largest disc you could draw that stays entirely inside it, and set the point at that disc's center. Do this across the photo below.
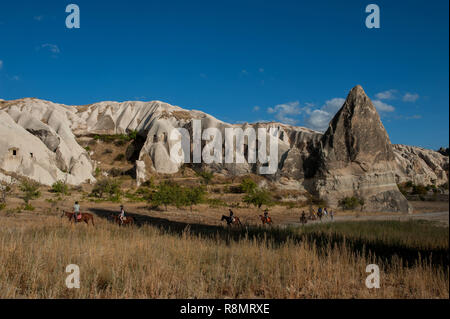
(356, 158)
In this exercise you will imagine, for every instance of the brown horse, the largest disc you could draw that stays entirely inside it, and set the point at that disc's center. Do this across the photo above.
(266, 220)
(235, 222)
(85, 217)
(127, 221)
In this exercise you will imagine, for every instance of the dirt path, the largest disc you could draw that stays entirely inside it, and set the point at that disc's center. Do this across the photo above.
(441, 218)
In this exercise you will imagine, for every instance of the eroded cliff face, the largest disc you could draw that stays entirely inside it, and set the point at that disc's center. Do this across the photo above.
(354, 157)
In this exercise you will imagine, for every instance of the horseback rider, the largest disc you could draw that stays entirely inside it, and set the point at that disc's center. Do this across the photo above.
(266, 214)
(122, 214)
(231, 216)
(76, 211)
(303, 217)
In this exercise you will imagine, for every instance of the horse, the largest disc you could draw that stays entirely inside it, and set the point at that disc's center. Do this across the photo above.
(266, 220)
(85, 217)
(303, 219)
(127, 221)
(230, 222)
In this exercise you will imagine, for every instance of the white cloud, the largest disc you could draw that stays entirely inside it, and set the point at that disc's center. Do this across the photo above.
(383, 107)
(51, 47)
(414, 117)
(1, 64)
(320, 118)
(386, 95)
(410, 97)
(256, 108)
(285, 112)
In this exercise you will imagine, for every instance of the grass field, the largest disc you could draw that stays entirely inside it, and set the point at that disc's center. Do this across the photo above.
(172, 261)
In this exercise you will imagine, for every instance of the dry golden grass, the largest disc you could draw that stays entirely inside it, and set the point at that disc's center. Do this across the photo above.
(153, 262)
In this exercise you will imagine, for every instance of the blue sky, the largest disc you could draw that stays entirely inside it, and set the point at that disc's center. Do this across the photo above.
(292, 61)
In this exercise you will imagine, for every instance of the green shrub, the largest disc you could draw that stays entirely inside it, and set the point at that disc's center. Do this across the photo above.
(2, 206)
(60, 187)
(108, 187)
(349, 203)
(206, 176)
(28, 207)
(168, 193)
(193, 196)
(419, 190)
(258, 198)
(30, 190)
(248, 185)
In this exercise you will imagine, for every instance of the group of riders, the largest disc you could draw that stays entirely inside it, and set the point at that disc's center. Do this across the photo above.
(232, 219)
(313, 215)
(77, 213)
(321, 213)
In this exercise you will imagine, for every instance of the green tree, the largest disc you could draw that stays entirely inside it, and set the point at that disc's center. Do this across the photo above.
(206, 176)
(194, 196)
(349, 203)
(109, 187)
(30, 190)
(168, 193)
(60, 187)
(258, 198)
(248, 185)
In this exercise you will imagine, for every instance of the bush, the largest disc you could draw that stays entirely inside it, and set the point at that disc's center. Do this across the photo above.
(168, 193)
(60, 188)
(206, 176)
(28, 207)
(109, 187)
(349, 203)
(248, 185)
(2, 206)
(258, 198)
(30, 190)
(419, 190)
(132, 135)
(193, 196)
(5, 190)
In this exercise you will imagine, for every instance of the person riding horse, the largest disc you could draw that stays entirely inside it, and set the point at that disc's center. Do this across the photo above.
(303, 219)
(122, 214)
(266, 214)
(231, 216)
(76, 211)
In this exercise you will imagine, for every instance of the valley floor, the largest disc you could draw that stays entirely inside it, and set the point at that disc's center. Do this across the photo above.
(179, 254)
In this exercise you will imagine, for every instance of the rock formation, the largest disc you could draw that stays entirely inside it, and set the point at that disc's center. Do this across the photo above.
(354, 157)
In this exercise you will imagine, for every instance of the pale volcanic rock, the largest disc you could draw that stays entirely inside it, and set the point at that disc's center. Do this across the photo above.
(421, 166)
(353, 158)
